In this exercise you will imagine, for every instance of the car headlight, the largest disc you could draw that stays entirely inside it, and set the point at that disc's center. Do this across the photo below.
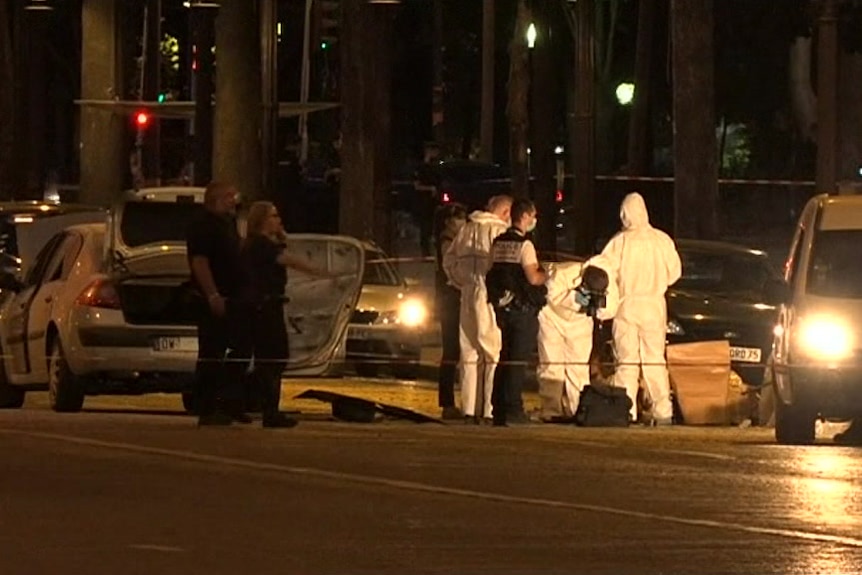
(674, 327)
(412, 313)
(826, 338)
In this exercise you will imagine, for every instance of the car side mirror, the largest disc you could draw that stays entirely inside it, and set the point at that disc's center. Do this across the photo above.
(777, 292)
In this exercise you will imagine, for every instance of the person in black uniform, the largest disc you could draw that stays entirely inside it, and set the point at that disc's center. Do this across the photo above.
(213, 251)
(517, 292)
(448, 220)
(266, 261)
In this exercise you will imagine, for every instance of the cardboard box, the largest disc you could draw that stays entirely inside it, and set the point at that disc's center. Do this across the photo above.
(700, 376)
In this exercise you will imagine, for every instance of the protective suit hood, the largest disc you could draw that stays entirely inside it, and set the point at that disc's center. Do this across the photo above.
(633, 212)
(483, 217)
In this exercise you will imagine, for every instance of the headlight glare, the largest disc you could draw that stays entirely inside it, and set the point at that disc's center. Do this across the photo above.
(827, 338)
(674, 327)
(412, 313)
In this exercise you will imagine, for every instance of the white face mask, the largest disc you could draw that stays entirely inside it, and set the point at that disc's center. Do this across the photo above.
(532, 225)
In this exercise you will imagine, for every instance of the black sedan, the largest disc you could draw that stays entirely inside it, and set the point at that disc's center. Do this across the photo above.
(725, 294)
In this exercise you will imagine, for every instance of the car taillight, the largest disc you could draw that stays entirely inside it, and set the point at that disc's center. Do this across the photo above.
(558, 196)
(100, 293)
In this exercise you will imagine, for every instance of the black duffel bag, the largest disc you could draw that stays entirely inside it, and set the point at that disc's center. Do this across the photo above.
(603, 406)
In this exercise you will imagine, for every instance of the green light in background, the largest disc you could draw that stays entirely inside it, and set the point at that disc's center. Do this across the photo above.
(161, 98)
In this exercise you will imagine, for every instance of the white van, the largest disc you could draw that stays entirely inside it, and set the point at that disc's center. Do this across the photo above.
(817, 352)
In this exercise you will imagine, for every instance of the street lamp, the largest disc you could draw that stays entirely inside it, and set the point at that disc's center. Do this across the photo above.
(531, 35)
(625, 93)
(201, 4)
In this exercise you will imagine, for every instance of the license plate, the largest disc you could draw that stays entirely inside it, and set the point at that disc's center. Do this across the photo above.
(175, 344)
(745, 354)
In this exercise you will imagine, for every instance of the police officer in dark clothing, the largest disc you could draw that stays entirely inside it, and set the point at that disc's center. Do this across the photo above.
(266, 262)
(213, 248)
(448, 220)
(516, 289)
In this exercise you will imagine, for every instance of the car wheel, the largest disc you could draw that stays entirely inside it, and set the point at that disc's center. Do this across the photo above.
(794, 424)
(367, 369)
(406, 370)
(190, 403)
(65, 391)
(10, 397)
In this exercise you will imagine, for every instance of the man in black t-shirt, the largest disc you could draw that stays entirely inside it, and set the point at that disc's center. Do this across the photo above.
(213, 246)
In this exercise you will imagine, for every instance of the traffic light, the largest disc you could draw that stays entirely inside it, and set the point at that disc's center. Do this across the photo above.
(325, 22)
(142, 119)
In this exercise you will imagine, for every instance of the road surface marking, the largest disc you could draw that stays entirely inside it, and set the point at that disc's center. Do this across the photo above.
(441, 490)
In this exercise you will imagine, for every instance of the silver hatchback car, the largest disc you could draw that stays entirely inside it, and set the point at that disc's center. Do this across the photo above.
(105, 307)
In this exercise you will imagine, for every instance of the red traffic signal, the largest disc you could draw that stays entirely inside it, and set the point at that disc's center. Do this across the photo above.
(142, 119)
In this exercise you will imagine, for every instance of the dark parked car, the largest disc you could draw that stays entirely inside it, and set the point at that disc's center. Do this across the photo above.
(724, 293)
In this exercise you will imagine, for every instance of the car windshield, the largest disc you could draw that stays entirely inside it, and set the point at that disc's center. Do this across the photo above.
(835, 269)
(723, 273)
(379, 271)
(154, 222)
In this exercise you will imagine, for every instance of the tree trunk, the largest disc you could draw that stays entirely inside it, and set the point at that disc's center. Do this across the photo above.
(488, 60)
(365, 107)
(695, 163)
(379, 118)
(517, 110)
(582, 130)
(7, 102)
(543, 116)
(438, 96)
(105, 144)
(827, 96)
(639, 152)
(606, 15)
(151, 88)
(850, 104)
(203, 32)
(801, 92)
(236, 134)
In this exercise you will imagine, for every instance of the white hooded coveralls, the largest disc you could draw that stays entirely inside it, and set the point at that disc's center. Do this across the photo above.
(645, 262)
(566, 339)
(466, 262)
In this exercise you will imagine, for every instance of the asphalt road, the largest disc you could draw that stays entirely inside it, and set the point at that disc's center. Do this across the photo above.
(132, 486)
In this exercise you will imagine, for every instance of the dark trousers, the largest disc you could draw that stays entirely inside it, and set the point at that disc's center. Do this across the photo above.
(448, 310)
(270, 350)
(519, 329)
(223, 354)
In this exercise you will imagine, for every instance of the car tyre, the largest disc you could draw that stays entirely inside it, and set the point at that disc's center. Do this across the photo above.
(190, 403)
(65, 390)
(364, 369)
(794, 424)
(10, 397)
(406, 370)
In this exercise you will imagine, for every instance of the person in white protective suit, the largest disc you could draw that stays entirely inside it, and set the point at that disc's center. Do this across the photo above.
(566, 340)
(645, 262)
(466, 262)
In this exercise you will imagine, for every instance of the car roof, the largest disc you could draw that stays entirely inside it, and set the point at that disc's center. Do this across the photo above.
(840, 212)
(717, 247)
